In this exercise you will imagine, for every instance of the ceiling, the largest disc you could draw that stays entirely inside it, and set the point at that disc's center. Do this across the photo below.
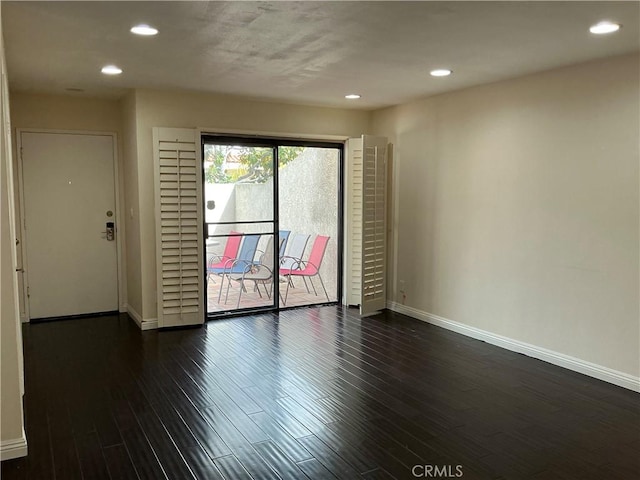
(303, 52)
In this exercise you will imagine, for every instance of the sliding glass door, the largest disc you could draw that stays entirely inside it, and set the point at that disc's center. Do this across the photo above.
(309, 207)
(272, 223)
(239, 192)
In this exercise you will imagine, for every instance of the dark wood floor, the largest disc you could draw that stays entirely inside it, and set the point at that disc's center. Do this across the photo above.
(314, 393)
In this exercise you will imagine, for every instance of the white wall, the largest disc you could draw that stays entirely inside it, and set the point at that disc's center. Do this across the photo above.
(12, 437)
(516, 209)
(192, 110)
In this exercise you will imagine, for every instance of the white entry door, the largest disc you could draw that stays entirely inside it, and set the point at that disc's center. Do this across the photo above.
(69, 196)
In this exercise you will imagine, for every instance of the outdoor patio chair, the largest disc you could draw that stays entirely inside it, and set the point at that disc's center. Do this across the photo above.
(261, 272)
(297, 246)
(242, 263)
(216, 263)
(309, 268)
(294, 254)
(284, 237)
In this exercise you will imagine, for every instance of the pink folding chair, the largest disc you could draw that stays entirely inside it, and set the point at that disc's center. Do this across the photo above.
(217, 263)
(309, 268)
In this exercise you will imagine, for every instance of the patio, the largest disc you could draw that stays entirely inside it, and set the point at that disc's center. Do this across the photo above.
(297, 296)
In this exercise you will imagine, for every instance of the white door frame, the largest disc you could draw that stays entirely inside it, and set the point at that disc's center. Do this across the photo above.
(119, 217)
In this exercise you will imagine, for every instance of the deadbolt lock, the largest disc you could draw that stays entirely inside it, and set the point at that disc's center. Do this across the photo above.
(110, 232)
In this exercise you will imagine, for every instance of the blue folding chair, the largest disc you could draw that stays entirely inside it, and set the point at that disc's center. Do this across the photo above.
(284, 238)
(241, 264)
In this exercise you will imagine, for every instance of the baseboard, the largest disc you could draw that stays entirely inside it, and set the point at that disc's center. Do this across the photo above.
(143, 324)
(14, 448)
(577, 365)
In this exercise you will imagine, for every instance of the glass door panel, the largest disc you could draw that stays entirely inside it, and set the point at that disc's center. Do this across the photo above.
(309, 209)
(240, 227)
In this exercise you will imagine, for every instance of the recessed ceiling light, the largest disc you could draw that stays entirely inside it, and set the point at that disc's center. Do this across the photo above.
(144, 29)
(440, 72)
(352, 96)
(111, 70)
(604, 27)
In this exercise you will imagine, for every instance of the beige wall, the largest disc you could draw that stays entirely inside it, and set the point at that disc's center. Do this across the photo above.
(131, 212)
(516, 209)
(191, 110)
(12, 441)
(64, 112)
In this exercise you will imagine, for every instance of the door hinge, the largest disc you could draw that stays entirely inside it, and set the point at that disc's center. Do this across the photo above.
(28, 292)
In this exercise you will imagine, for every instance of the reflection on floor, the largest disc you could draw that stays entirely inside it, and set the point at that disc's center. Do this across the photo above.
(297, 296)
(313, 392)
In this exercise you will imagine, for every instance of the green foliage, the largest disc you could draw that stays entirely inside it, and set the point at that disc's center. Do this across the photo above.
(287, 154)
(252, 164)
(214, 172)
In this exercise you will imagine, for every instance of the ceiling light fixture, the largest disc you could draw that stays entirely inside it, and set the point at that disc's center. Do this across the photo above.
(352, 96)
(111, 70)
(144, 29)
(604, 27)
(440, 72)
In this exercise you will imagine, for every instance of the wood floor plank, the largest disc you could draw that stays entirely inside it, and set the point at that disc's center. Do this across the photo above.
(179, 431)
(165, 449)
(354, 455)
(331, 460)
(378, 474)
(92, 462)
(119, 463)
(287, 420)
(281, 437)
(253, 463)
(315, 470)
(145, 461)
(63, 447)
(210, 440)
(231, 468)
(201, 464)
(15, 469)
(278, 461)
(40, 462)
(313, 393)
(304, 416)
(240, 422)
(141, 452)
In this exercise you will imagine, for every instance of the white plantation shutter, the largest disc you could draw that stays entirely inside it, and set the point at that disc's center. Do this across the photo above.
(179, 234)
(366, 224)
(374, 224)
(353, 228)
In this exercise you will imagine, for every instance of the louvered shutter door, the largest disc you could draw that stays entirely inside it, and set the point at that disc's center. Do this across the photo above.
(179, 234)
(374, 189)
(353, 217)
